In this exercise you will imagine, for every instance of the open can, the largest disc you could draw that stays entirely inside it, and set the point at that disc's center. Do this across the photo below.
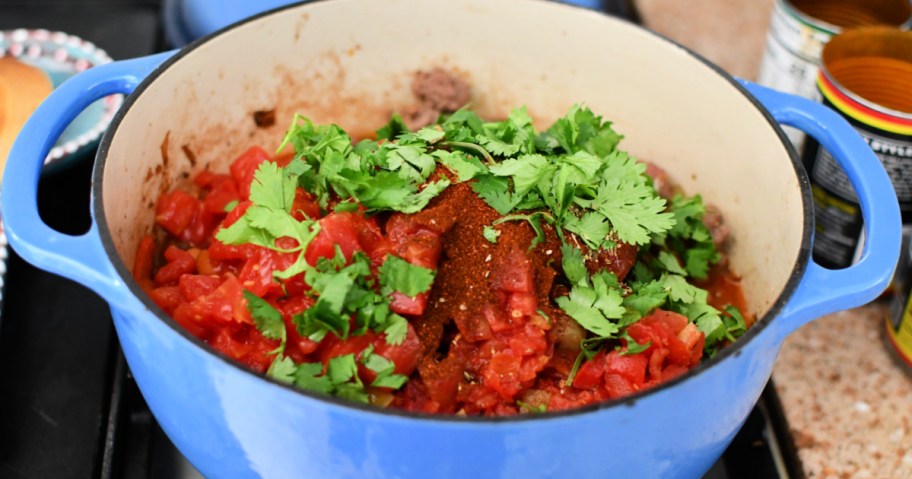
(798, 31)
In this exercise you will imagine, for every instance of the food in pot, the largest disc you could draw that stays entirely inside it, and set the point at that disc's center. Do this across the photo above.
(468, 267)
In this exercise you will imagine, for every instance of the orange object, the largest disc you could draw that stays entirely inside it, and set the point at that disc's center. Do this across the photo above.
(22, 89)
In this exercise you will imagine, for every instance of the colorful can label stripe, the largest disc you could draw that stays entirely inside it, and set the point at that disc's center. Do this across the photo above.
(856, 109)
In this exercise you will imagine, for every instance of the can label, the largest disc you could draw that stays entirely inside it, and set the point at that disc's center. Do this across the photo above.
(899, 319)
(792, 57)
(836, 209)
(793, 47)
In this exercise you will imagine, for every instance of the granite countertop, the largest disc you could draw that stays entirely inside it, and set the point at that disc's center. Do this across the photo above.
(848, 404)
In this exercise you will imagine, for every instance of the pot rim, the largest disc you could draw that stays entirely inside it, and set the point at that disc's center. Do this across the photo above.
(731, 351)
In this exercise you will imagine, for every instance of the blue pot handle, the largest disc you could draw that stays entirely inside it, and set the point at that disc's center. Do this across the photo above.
(824, 291)
(81, 258)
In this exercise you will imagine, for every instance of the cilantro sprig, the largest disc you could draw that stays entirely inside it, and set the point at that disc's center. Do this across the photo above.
(573, 171)
(270, 217)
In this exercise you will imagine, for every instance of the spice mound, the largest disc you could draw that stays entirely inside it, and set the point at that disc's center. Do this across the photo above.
(468, 267)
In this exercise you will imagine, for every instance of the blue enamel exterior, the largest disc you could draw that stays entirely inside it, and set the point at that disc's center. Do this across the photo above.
(233, 423)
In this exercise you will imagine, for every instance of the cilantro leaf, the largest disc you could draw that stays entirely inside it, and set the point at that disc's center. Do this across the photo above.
(581, 130)
(633, 347)
(384, 368)
(670, 263)
(526, 171)
(309, 376)
(591, 227)
(629, 203)
(271, 188)
(574, 266)
(267, 319)
(417, 202)
(735, 326)
(708, 322)
(395, 127)
(495, 192)
(678, 288)
(396, 329)
(282, 369)
(507, 138)
(341, 369)
(241, 232)
(463, 166)
(399, 275)
(593, 309)
(646, 297)
(698, 259)
(490, 233)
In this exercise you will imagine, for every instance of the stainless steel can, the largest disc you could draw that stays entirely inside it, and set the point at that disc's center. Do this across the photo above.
(866, 75)
(800, 28)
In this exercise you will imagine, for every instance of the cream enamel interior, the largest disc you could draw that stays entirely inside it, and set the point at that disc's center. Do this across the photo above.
(350, 62)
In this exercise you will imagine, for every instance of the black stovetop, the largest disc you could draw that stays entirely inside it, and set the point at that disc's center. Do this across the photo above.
(68, 406)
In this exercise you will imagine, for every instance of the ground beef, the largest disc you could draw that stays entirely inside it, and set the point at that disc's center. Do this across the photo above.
(713, 220)
(437, 91)
(663, 186)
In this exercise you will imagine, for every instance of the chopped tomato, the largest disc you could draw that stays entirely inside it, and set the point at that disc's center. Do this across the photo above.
(304, 206)
(514, 273)
(166, 297)
(175, 211)
(142, 262)
(413, 306)
(336, 230)
(246, 346)
(180, 263)
(223, 192)
(193, 286)
(245, 166)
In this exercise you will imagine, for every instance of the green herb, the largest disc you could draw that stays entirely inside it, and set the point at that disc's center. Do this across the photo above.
(344, 291)
(580, 130)
(633, 347)
(734, 323)
(490, 233)
(595, 303)
(269, 217)
(574, 266)
(395, 127)
(397, 274)
(384, 368)
(267, 319)
(283, 369)
(495, 192)
(534, 221)
(341, 375)
(529, 408)
(689, 239)
(670, 263)
(230, 206)
(310, 376)
(389, 176)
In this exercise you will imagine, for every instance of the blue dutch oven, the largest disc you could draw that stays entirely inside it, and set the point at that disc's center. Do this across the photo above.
(350, 62)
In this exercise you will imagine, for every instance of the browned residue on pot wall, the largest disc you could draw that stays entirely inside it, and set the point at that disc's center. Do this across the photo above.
(165, 165)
